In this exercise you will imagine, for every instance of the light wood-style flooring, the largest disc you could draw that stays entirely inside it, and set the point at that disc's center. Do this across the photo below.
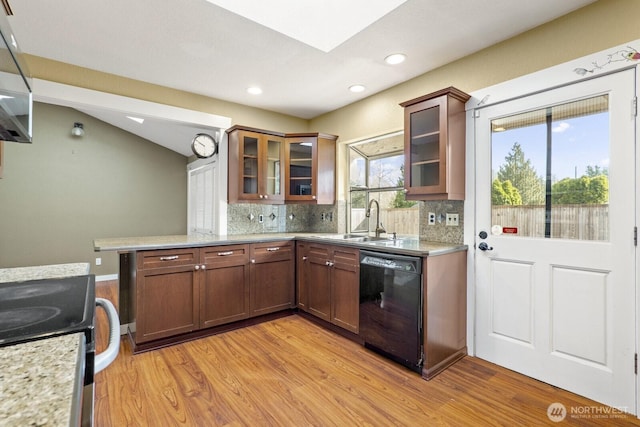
(291, 372)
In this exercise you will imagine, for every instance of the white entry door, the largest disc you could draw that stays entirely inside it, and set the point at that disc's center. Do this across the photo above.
(555, 270)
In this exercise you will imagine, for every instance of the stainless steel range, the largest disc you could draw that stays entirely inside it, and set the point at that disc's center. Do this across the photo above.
(40, 309)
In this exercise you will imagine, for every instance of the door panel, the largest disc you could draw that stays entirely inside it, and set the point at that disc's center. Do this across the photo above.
(512, 303)
(555, 283)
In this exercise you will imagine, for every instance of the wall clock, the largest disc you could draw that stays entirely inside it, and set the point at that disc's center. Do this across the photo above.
(204, 145)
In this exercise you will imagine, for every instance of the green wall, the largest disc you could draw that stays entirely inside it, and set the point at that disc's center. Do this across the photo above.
(61, 192)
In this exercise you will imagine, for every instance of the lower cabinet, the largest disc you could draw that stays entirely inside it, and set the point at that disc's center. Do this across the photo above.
(224, 292)
(272, 276)
(177, 291)
(166, 294)
(328, 283)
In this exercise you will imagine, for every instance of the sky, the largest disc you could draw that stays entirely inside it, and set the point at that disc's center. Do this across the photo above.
(577, 143)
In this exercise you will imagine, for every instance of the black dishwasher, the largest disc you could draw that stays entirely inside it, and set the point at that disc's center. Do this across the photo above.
(391, 306)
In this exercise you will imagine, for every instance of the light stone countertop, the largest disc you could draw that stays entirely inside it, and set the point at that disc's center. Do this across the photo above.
(403, 246)
(40, 380)
(53, 271)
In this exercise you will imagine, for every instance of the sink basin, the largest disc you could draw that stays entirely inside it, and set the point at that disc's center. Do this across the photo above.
(357, 238)
(368, 239)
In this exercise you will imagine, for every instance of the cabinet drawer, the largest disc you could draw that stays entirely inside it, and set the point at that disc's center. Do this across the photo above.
(167, 258)
(272, 251)
(218, 256)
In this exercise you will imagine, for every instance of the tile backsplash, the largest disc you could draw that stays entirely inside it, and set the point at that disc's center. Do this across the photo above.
(249, 218)
(440, 232)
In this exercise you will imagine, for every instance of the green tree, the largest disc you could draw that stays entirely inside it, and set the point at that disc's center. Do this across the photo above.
(583, 190)
(592, 171)
(399, 200)
(504, 193)
(523, 176)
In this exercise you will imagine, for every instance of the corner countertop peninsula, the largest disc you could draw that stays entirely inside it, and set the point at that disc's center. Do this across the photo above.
(402, 245)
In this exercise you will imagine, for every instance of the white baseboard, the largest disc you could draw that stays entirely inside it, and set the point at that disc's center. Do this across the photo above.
(106, 277)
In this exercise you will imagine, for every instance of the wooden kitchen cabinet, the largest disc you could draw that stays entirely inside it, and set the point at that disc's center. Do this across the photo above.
(318, 284)
(179, 291)
(310, 163)
(329, 284)
(434, 147)
(444, 308)
(166, 294)
(225, 290)
(272, 277)
(256, 158)
(302, 275)
(345, 288)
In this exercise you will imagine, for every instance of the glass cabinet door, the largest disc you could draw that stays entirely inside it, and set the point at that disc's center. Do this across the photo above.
(425, 148)
(273, 168)
(300, 174)
(249, 157)
(434, 146)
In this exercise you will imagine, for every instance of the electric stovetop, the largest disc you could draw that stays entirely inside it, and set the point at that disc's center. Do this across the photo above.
(37, 309)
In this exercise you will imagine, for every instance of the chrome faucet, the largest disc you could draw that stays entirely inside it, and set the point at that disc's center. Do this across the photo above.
(379, 228)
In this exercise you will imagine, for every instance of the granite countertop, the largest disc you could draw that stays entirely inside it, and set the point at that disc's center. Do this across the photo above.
(41, 380)
(53, 271)
(404, 246)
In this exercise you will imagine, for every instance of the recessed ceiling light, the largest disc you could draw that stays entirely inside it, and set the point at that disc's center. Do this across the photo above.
(395, 58)
(254, 90)
(136, 119)
(356, 88)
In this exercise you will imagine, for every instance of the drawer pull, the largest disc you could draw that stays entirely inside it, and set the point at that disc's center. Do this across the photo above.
(227, 253)
(169, 258)
(273, 249)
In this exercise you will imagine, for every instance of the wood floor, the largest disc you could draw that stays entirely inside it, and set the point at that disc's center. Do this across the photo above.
(291, 372)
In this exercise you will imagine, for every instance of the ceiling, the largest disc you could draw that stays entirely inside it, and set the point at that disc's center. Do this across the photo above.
(199, 47)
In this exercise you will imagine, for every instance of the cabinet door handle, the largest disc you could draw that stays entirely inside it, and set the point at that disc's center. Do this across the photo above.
(273, 249)
(253, 261)
(304, 258)
(266, 196)
(204, 267)
(227, 253)
(330, 264)
(197, 267)
(169, 258)
(313, 197)
(261, 196)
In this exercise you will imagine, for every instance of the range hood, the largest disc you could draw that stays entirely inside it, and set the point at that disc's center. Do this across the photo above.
(16, 99)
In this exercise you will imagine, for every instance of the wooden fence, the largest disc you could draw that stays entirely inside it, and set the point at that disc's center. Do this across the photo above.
(578, 222)
(403, 221)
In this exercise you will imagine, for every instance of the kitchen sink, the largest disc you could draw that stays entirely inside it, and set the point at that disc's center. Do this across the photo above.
(360, 238)
(368, 239)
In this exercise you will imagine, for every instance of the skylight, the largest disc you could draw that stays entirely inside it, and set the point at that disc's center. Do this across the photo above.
(323, 24)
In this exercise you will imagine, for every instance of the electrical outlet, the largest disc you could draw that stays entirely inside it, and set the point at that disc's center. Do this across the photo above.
(98, 261)
(432, 218)
(452, 219)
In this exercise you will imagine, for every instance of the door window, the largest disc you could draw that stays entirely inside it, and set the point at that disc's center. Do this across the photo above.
(550, 172)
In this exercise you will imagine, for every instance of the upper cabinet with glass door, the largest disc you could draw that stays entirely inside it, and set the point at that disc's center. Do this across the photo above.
(434, 148)
(255, 166)
(310, 168)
